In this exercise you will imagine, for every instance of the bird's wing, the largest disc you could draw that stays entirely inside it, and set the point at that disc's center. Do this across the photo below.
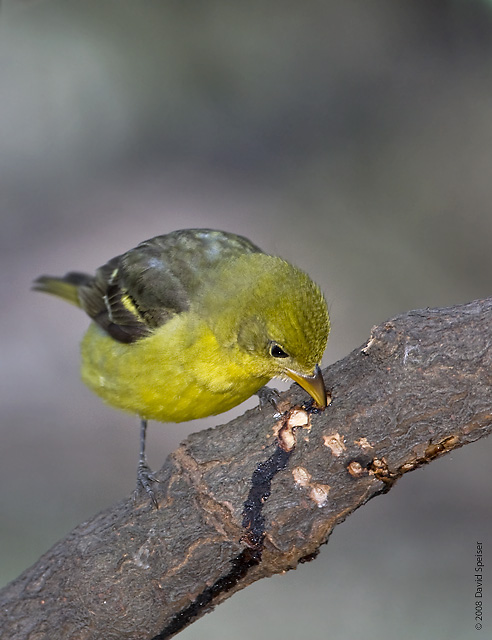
(143, 288)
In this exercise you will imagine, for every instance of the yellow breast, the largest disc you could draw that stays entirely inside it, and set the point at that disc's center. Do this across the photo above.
(176, 374)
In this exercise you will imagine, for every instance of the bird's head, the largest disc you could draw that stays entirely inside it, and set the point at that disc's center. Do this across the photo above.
(275, 319)
(288, 343)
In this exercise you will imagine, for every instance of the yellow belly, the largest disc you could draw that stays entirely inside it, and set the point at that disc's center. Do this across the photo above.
(178, 373)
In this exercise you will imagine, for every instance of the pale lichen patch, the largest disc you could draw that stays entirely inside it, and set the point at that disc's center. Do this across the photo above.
(335, 442)
(370, 342)
(319, 493)
(301, 476)
(363, 443)
(299, 418)
(285, 428)
(355, 469)
(286, 438)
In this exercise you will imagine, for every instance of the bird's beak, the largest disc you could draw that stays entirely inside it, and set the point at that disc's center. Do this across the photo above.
(314, 385)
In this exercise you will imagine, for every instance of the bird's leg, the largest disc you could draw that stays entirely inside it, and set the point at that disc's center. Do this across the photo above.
(268, 396)
(145, 477)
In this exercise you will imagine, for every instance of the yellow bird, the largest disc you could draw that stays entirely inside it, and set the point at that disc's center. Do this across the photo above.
(191, 324)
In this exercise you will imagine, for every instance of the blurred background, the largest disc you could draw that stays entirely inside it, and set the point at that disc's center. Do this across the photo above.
(353, 138)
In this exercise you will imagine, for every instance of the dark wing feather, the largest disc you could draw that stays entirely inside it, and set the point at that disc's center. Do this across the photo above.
(143, 288)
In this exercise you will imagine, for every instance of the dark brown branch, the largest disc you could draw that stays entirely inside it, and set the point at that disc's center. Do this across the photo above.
(258, 495)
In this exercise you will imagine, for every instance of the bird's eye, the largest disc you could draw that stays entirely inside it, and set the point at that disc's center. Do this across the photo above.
(277, 352)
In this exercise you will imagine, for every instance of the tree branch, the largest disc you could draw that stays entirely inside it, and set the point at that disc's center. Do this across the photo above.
(256, 496)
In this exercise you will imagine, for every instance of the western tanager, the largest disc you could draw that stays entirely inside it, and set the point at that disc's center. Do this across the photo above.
(192, 323)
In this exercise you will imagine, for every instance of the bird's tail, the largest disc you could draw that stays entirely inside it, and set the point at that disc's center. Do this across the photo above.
(66, 287)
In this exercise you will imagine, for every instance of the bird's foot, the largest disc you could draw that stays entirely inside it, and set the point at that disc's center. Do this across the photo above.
(268, 397)
(145, 479)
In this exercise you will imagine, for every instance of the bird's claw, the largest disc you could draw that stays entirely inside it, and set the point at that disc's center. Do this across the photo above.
(145, 478)
(268, 397)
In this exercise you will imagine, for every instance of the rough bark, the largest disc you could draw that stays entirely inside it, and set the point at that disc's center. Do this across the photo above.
(258, 495)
